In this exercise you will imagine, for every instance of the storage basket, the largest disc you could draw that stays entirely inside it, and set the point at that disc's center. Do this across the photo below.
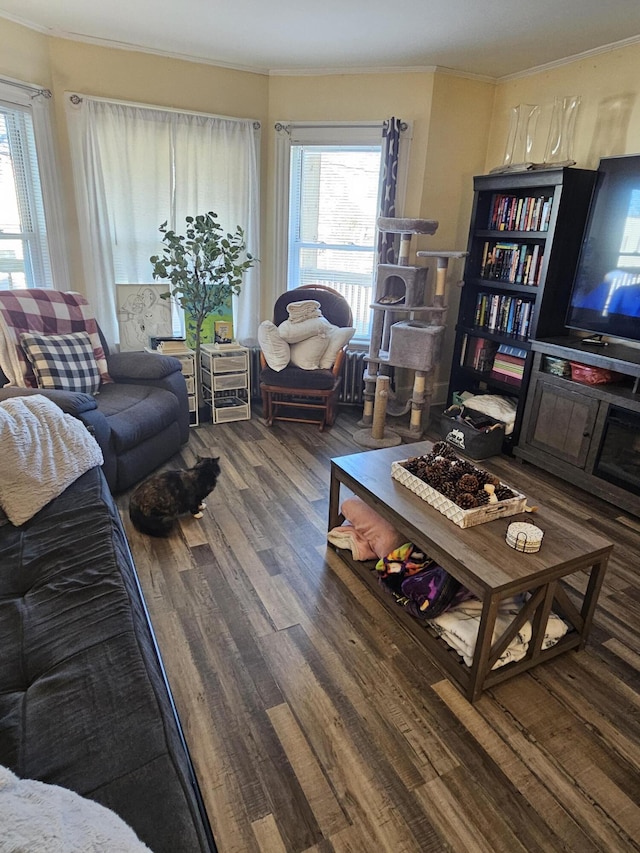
(478, 443)
(455, 513)
(588, 375)
(556, 366)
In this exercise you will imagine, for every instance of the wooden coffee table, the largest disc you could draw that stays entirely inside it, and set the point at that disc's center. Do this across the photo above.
(481, 560)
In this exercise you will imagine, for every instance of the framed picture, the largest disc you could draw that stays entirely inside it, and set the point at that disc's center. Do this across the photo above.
(142, 314)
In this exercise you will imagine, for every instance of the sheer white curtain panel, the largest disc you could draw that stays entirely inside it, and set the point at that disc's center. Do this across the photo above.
(136, 167)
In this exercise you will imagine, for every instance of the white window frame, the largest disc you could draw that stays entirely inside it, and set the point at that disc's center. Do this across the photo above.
(310, 133)
(16, 94)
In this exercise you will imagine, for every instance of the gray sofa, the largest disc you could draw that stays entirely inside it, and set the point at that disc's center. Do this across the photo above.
(84, 702)
(140, 420)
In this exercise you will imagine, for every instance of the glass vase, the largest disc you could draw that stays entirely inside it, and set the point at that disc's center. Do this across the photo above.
(522, 129)
(561, 131)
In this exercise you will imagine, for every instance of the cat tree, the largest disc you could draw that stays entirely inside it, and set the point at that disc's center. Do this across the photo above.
(407, 331)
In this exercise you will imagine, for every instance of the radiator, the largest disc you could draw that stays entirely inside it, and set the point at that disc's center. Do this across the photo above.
(351, 390)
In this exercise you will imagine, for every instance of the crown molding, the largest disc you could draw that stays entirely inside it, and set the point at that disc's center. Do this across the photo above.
(567, 60)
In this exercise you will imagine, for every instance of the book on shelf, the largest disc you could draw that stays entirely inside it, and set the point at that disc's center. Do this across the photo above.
(520, 213)
(509, 349)
(479, 354)
(168, 346)
(515, 263)
(507, 378)
(503, 313)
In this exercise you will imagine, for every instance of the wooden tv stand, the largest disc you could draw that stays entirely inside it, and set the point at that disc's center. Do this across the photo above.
(482, 561)
(565, 422)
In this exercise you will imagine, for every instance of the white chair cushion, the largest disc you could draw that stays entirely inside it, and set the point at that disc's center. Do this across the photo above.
(295, 332)
(275, 348)
(339, 338)
(308, 353)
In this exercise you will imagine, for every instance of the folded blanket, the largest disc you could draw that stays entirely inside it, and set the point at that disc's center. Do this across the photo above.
(42, 818)
(348, 538)
(459, 627)
(42, 451)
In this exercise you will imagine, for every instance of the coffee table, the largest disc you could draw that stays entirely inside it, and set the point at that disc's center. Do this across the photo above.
(481, 560)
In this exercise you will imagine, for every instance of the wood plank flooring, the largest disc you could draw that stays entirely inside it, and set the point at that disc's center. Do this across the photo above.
(316, 723)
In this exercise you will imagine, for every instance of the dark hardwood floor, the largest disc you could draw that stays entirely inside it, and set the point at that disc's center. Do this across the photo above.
(316, 723)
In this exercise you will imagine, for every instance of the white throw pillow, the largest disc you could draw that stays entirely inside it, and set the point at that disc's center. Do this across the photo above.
(295, 332)
(275, 348)
(339, 338)
(307, 354)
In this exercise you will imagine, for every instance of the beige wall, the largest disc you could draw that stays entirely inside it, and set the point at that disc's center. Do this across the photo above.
(608, 120)
(24, 54)
(460, 125)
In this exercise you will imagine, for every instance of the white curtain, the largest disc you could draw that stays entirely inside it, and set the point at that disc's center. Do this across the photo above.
(136, 167)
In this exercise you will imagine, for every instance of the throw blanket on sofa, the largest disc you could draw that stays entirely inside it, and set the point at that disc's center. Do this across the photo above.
(42, 451)
(42, 818)
(46, 312)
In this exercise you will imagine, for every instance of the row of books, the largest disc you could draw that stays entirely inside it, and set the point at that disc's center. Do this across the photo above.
(478, 353)
(497, 312)
(516, 263)
(508, 364)
(520, 213)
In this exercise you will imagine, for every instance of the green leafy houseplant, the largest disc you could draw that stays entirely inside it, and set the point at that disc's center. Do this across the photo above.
(205, 267)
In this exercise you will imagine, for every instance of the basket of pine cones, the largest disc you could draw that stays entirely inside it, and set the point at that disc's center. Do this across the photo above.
(464, 493)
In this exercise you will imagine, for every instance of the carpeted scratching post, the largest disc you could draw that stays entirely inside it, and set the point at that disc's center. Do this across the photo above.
(378, 436)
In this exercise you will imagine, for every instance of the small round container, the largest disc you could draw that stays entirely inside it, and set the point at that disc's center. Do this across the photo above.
(524, 537)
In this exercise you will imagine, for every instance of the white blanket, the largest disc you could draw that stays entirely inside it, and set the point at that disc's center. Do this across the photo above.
(42, 451)
(40, 818)
(459, 627)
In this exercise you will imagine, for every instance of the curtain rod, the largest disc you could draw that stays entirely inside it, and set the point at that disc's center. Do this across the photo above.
(76, 100)
(35, 90)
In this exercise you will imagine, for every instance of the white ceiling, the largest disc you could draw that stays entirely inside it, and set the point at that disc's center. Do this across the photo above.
(493, 38)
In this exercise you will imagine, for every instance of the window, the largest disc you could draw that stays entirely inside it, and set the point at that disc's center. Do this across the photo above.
(24, 252)
(328, 180)
(333, 208)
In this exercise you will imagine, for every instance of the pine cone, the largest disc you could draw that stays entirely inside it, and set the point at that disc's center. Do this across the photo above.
(468, 483)
(441, 448)
(503, 493)
(448, 490)
(466, 500)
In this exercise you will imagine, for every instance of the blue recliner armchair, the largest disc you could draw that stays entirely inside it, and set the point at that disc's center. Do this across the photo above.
(140, 419)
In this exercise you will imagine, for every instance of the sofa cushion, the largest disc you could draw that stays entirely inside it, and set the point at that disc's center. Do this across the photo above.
(83, 699)
(136, 413)
(62, 362)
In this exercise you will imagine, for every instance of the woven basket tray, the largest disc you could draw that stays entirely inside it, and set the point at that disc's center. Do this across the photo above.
(459, 516)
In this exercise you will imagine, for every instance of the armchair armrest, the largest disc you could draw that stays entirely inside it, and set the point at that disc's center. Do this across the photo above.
(71, 402)
(140, 366)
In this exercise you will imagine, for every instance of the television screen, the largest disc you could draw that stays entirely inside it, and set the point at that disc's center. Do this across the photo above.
(605, 299)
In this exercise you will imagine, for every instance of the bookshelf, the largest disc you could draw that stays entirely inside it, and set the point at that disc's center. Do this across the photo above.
(524, 238)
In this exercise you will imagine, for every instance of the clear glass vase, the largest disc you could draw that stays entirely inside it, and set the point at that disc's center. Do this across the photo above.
(559, 147)
(522, 129)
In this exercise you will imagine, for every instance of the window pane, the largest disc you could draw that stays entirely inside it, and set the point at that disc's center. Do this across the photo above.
(333, 212)
(24, 258)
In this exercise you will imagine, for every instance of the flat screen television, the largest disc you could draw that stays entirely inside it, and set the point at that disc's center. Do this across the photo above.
(605, 298)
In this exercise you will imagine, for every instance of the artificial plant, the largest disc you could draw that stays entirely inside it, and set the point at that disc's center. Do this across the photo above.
(205, 267)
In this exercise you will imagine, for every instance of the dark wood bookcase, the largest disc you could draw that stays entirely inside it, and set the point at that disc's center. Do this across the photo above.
(524, 239)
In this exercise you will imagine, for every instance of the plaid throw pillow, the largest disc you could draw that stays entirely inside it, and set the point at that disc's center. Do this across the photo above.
(62, 362)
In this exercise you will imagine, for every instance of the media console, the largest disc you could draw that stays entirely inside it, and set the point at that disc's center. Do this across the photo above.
(586, 434)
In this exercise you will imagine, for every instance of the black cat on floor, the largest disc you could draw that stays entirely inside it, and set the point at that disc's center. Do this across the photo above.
(156, 504)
